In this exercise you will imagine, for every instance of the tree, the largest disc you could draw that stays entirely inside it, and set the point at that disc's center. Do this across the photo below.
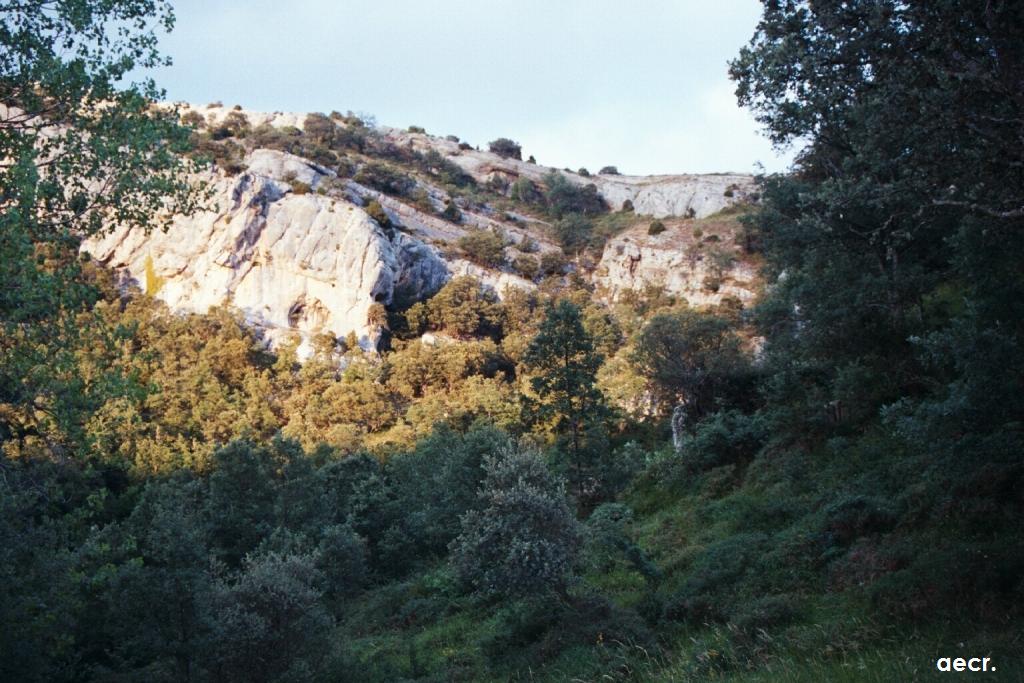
(691, 357)
(463, 307)
(524, 540)
(563, 365)
(565, 197)
(82, 152)
(269, 621)
(899, 230)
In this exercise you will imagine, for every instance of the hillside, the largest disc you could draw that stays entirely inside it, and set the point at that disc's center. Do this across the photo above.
(297, 398)
(310, 246)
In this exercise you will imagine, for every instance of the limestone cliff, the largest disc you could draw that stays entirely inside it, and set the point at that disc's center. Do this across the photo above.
(288, 261)
(291, 246)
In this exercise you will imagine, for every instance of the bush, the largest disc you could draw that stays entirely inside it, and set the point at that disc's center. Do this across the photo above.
(609, 170)
(628, 205)
(506, 149)
(451, 213)
(193, 119)
(564, 197)
(299, 187)
(697, 233)
(375, 211)
(527, 266)
(385, 179)
(446, 171)
(552, 263)
(524, 190)
(767, 612)
(583, 172)
(525, 539)
(719, 574)
(655, 228)
(462, 307)
(483, 247)
(573, 231)
(417, 129)
(319, 129)
(528, 245)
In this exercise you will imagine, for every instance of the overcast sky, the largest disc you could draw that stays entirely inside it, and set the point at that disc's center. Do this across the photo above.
(640, 84)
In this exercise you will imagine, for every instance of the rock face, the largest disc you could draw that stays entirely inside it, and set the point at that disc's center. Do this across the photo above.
(691, 195)
(703, 270)
(289, 262)
(288, 243)
(696, 195)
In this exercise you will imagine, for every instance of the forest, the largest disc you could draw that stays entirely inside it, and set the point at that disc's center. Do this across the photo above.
(544, 485)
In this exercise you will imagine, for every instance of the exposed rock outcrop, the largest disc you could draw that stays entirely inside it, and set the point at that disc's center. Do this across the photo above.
(289, 262)
(694, 195)
(703, 270)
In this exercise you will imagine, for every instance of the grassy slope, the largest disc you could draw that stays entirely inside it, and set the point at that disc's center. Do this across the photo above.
(423, 629)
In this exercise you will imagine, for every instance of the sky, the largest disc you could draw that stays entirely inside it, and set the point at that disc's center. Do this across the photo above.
(638, 84)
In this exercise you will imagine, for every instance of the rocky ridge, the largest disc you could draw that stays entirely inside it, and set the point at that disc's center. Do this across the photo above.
(292, 247)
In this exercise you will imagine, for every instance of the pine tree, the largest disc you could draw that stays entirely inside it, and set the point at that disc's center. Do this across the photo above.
(564, 365)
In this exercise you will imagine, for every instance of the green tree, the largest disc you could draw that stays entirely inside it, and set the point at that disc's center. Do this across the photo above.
(899, 230)
(563, 366)
(464, 307)
(82, 151)
(524, 539)
(692, 358)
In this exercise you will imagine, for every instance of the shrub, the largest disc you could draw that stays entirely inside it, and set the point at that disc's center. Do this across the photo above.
(451, 138)
(531, 160)
(573, 231)
(506, 149)
(193, 119)
(385, 179)
(552, 263)
(524, 190)
(609, 170)
(697, 233)
(565, 197)
(627, 205)
(527, 266)
(463, 307)
(451, 213)
(448, 172)
(417, 129)
(375, 211)
(528, 245)
(319, 129)
(483, 247)
(583, 172)
(525, 539)
(464, 146)
(767, 612)
(299, 187)
(655, 228)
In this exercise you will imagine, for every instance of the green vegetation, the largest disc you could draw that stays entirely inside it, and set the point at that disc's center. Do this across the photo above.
(484, 247)
(827, 486)
(506, 149)
(655, 228)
